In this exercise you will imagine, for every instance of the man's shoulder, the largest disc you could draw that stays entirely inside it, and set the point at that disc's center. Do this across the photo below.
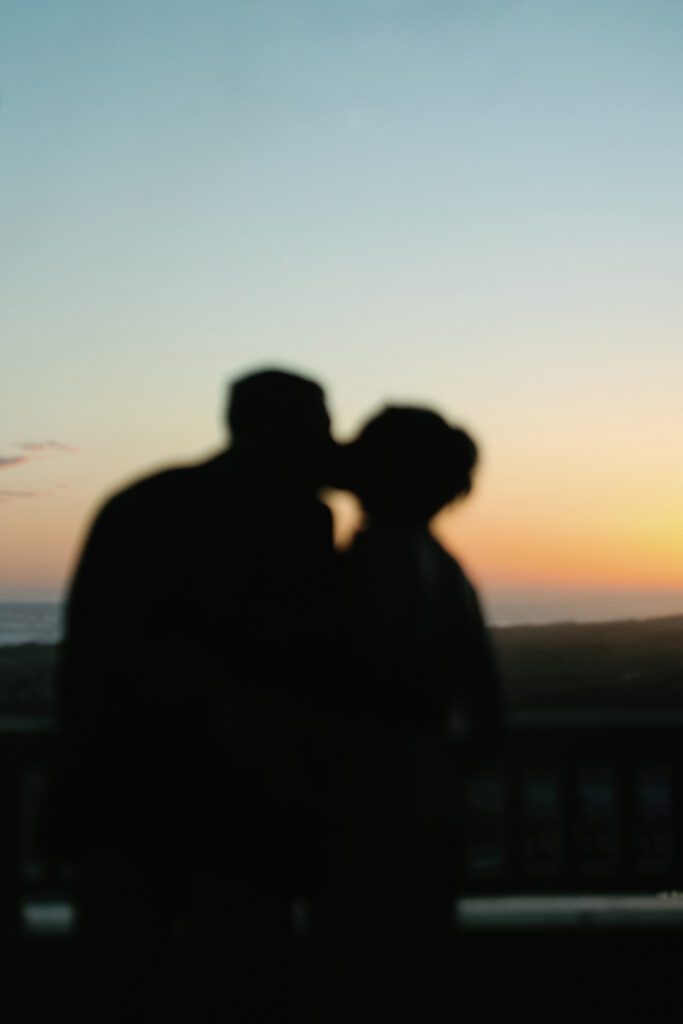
(166, 490)
(151, 488)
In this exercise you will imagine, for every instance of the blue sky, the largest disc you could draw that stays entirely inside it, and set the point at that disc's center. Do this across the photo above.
(474, 204)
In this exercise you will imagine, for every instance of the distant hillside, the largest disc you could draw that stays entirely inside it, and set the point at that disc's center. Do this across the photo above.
(633, 665)
(27, 679)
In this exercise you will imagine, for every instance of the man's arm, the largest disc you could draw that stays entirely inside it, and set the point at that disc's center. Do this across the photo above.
(95, 608)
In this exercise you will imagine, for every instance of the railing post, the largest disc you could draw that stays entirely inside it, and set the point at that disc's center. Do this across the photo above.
(10, 832)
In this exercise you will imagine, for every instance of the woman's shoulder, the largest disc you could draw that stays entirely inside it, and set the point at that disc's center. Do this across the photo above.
(449, 579)
(447, 564)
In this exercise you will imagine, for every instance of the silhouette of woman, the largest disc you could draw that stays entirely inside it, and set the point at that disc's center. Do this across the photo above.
(422, 701)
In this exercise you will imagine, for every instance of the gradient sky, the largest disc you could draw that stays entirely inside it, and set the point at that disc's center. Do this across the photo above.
(474, 204)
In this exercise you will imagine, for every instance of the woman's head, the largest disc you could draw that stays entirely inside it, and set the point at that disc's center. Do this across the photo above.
(408, 463)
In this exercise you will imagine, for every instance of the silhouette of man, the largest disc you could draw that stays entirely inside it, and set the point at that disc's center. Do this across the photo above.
(196, 626)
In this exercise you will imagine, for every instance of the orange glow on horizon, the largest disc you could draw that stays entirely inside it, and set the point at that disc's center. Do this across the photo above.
(519, 554)
(511, 555)
(500, 542)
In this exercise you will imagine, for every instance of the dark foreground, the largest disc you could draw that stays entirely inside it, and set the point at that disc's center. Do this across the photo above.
(589, 801)
(537, 972)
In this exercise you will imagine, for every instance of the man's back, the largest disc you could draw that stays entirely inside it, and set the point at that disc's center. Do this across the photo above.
(196, 627)
(194, 582)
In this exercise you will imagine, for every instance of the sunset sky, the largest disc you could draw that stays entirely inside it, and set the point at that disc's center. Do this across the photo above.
(470, 204)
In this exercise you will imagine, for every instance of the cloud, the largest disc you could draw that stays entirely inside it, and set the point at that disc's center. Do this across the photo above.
(10, 495)
(35, 450)
(45, 446)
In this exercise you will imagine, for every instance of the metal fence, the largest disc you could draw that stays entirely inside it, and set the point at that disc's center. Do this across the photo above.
(580, 804)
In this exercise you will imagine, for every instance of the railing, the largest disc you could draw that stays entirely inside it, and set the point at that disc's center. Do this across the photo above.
(26, 752)
(581, 804)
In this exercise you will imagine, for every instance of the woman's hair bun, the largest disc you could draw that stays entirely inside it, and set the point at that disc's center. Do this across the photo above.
(408, 462)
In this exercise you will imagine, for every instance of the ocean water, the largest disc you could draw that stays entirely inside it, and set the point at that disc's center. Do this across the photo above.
(546, 605)
(30, 622)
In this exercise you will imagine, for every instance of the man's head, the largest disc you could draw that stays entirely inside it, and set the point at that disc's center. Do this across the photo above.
(282, 416)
